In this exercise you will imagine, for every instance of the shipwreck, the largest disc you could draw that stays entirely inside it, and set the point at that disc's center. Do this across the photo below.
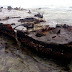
(43, 39)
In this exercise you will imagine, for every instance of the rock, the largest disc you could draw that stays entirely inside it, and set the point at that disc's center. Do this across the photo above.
(29, 12)
(53, 36)
(32, 20)
(9, 8)
(6, 18)
(58, 25)
(13, 24)
(39, 15)
(1, 23)
(16, 8)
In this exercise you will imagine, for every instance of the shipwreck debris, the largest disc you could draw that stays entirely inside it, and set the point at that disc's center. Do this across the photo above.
(43, 43)
(29, 12)
(31, 19)
(16, 37)
(53, 36)
(58, 31)
(7, 29)
(16, 17)
(39, 15)
(39, 33)
(7, 17)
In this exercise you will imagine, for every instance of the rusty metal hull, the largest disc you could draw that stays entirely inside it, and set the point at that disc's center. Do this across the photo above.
(58, 50)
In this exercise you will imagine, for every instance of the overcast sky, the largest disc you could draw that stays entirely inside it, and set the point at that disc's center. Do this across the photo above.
(36, 3)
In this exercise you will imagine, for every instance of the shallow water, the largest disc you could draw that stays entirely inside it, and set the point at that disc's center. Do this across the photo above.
(52, 16)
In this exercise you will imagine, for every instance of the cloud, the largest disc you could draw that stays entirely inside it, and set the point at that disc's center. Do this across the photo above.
(36, 3)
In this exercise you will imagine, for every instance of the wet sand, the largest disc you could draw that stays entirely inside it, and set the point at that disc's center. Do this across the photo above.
(15, 59)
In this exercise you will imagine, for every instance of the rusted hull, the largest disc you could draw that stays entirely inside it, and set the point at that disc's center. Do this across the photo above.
(47, 49)
(7, 29)
(57, 50)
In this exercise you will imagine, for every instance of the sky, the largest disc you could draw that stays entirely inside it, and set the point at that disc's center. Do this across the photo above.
(36, 3)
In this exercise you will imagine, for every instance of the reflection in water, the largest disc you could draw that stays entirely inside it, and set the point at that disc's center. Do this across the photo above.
(15, 59)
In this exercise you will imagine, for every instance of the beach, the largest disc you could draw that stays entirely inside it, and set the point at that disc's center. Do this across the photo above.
(12, 58)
